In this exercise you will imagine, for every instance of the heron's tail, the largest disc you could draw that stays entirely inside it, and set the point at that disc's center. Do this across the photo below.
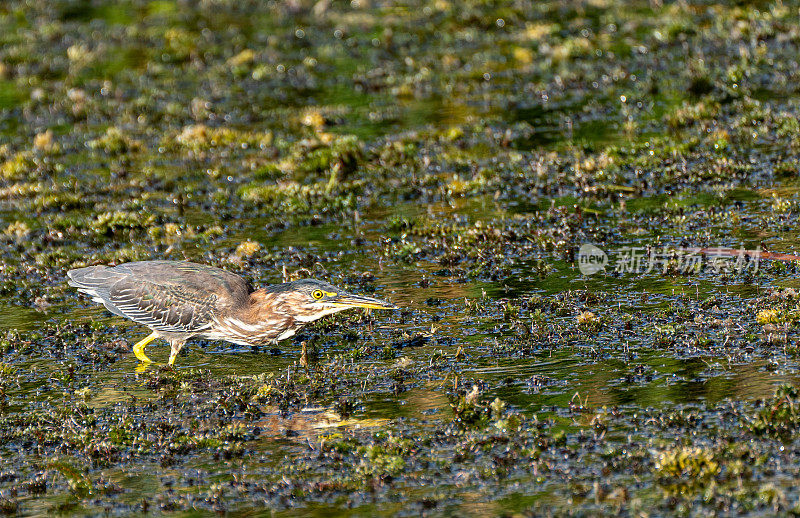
(96, 281)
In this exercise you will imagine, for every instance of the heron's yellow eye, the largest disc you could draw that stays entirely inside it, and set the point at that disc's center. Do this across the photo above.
(317, 294)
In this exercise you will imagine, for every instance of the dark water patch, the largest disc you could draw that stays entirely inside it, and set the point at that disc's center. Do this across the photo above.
(21, 318)
(84, 11)
(11, 96)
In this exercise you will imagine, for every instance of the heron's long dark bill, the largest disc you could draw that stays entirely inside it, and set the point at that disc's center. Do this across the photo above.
(356, 301)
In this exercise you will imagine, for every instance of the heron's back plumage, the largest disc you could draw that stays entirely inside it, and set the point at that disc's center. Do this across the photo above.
(172, 297)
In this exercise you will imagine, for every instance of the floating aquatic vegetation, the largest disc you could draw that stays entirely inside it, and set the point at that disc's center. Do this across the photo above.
(114, 142)
(453, 156)
(780, 415)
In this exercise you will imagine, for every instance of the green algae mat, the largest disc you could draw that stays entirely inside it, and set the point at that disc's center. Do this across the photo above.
(540, 186)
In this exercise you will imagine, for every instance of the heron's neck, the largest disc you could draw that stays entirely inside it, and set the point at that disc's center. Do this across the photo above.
(264, 306)
(265, 318)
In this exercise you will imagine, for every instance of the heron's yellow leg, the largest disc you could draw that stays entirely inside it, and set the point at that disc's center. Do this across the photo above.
(138, 349)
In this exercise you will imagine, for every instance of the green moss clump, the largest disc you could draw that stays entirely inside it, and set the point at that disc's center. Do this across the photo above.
(6, 373)
(588, 321)
(340, 156)
(56, 200)
(110, 222)
(294, 198)
(682, 461)
(199, 137)
(378, 461)
(121, 436)
(780, 416)
(338, 443)
(114, 142)
(57, 258)
(685, 469)
(769, 316)
(787, 126)
(397, 153)
(687, 113)
(179, 44)
(18, 230)
(79, 484)
(471, 413)
(18, 166)
(268, 172)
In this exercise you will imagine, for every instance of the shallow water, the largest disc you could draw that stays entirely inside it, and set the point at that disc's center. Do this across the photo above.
(457, 154)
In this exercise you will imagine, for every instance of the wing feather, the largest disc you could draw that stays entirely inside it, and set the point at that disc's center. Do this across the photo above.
(164, 308)
(166, 296)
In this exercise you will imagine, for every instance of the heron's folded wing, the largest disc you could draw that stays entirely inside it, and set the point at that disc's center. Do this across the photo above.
(167, 308)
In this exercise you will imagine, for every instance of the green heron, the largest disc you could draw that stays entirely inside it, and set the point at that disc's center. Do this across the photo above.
(179, 300)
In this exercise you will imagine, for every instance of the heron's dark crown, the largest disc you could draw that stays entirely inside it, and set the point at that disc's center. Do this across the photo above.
(302, 285)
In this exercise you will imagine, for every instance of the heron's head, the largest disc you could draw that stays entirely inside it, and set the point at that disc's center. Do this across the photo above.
(309, 299)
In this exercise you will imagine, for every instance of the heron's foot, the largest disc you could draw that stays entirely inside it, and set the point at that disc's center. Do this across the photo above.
(138, 349)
